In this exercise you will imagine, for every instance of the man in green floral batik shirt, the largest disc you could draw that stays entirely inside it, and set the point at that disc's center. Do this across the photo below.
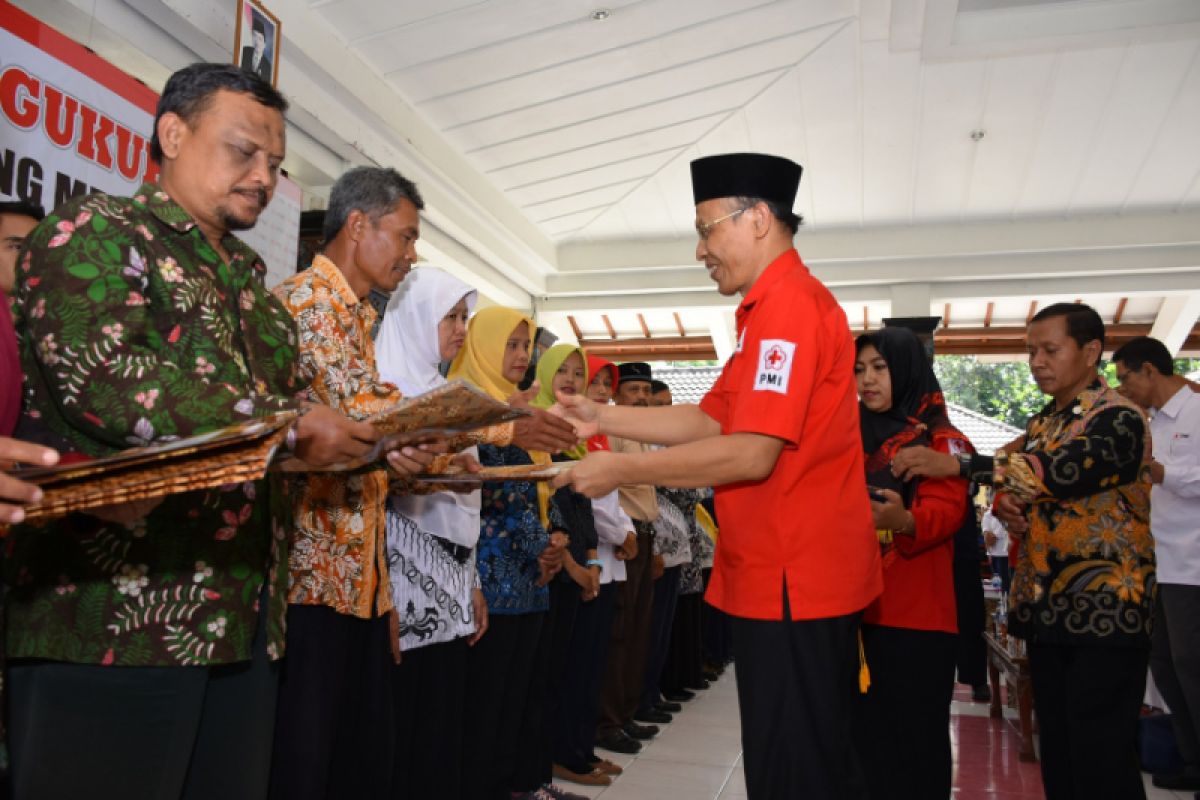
(140, 644)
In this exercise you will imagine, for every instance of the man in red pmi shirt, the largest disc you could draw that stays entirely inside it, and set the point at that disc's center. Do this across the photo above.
(798, 557)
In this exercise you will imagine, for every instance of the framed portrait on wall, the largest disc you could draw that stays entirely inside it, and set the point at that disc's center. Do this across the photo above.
(256, 42)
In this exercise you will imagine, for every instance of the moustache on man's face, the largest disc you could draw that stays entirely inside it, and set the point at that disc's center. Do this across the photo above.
(258, 193)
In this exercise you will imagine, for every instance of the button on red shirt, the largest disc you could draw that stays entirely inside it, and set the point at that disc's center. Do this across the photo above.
(792, 377)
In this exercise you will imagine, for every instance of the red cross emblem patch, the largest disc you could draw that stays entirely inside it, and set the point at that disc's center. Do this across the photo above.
(774, 365)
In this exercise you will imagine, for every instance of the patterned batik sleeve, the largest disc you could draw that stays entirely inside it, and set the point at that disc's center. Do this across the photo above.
(1107, 453)
(92, 296)
(500, 435)
(342, 374)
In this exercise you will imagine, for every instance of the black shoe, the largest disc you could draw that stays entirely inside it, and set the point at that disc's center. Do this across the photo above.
(618, 742)
(639, 732)
(682, 696)
(710, 676)
(1177, 781)
(669, 707)
(653, 715)
(981, 693)
(703, 684)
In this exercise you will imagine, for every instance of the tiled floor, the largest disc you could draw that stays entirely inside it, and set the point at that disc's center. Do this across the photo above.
(699, 756)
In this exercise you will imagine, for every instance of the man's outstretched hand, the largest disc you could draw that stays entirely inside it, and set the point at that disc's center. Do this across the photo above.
(540, 430)
(593, 476)
(14, 493)
(582, 413)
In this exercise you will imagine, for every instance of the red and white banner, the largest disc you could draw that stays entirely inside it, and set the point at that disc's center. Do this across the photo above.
(71, 123)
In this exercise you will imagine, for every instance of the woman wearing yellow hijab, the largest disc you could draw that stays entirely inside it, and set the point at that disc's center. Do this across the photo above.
(514, 556)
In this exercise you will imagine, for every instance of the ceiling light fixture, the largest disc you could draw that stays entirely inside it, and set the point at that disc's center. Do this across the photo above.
(600, 14)
(978, 134)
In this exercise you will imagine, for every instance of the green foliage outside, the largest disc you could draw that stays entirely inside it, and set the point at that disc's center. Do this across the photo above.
(1005, 390)
(1001, 390)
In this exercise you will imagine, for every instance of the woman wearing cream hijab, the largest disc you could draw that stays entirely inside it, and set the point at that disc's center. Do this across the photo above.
(430, 550)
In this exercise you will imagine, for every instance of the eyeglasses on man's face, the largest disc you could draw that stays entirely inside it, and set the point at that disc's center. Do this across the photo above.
(703, 229)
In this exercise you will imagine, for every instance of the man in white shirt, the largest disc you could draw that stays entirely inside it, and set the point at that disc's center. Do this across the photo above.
(1146, 375)
(995, 537)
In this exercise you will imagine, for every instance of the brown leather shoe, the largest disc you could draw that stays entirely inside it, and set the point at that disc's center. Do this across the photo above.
(607, 767)
(593, 778)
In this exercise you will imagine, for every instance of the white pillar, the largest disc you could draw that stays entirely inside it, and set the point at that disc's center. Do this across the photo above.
(722, 329)
(1176, 319)
(911, 300)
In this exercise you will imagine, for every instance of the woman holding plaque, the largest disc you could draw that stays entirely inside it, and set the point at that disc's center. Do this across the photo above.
(430, 550)
(516, 557)
(902, 723)
(563, 369)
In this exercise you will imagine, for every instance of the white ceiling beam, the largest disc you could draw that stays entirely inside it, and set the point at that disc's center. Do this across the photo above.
(953, 34)
(948, 239)
(1150, 284)
(1135, 262)
(1176, 319)
(910, 300)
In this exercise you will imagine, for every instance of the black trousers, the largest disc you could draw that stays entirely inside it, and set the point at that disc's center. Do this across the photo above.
(83, 731)
(1087, 700)
(902, 724)
(334, 732)
(796, 684)
(549, 682)
(968, 599)
(666, 596)
(1175, 661)
(575, 720)
(630, 636)
(575, 747)
(428, 690)
(685, 664)
(715, 636)
(500, 671)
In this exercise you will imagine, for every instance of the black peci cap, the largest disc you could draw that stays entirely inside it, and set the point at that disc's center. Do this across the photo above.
(758, 175)
(634, 371)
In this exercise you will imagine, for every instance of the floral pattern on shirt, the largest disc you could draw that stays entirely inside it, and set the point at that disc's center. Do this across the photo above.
(511, 538)
(135, 331)
(337, 545)
(1085, 571)
(691, 579)
(671, 531)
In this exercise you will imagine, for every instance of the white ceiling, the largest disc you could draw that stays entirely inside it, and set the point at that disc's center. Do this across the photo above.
(553, 149)
(588, 126)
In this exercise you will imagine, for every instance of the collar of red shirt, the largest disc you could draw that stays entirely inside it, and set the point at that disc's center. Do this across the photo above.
(774, 272)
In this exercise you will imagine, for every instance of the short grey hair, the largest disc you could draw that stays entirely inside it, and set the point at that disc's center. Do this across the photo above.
(375, 191)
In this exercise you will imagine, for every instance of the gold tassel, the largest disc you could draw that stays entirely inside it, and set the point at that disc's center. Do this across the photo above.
(864, 672)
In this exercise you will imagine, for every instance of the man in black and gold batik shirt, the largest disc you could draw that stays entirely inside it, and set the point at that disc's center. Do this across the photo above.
(1078, 498)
